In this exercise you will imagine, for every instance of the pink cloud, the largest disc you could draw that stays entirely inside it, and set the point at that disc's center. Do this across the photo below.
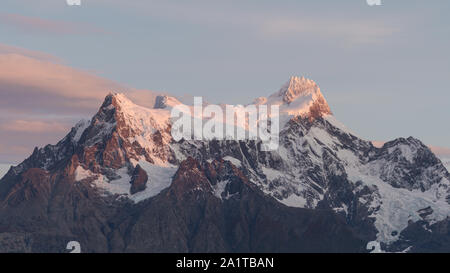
(378, 144)
(41, 99)
(48, 77)
(18, 137)
(441, 151)
(33, 84)
(8, 49)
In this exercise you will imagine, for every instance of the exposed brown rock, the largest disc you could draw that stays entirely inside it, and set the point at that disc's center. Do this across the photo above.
(139, 180)
(318, 109)
(72, 166)
(89, 158)
(189, 177)
(113, 156)
(33, 183)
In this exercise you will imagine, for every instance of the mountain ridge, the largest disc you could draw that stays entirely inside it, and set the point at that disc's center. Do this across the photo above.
(116, 165)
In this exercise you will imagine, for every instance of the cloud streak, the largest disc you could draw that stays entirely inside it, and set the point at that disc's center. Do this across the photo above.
(8, 49)
(270, 25)
(353, 32)
(28, 83)
(33, 126)
(35, 24)
(441, 151)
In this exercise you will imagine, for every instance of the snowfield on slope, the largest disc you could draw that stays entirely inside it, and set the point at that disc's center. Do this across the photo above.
(397, 206)
(159, 178)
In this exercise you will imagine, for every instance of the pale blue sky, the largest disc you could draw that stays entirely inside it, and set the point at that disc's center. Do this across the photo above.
(384, 70)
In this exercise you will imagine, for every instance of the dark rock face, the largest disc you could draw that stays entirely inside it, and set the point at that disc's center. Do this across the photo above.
(48, 211)
(160, 102)
(419, 169)
(421, 237)
(194, 220)
(14, 243)
(138, 180)
(186, 217)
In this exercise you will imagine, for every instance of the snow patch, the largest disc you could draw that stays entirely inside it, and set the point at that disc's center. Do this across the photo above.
(4, 168)
(339, 125)
(80, 127)
(159, 178)
(233, 160)
(406, 151)
(219, 188)
(295, 201)
(119, 186)
(445, 161)
(271, 174)
(81, 174)
(447, 165)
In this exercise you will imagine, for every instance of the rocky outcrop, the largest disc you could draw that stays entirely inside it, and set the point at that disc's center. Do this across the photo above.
(160, 102)
(138, 180)
(195, 220)
(421, 237)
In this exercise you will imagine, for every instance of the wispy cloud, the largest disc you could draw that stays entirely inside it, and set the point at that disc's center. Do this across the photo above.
(268, 24)
(348, 31)
(40, 100)
(19, 136)
(42, 25)
(441, 151)
(31, 84)
(8, 49)
(33, 126)
(52, 78)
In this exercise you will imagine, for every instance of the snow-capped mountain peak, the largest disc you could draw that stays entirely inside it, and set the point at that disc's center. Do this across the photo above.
(299, 96)
(297, 87)
(119, 109)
